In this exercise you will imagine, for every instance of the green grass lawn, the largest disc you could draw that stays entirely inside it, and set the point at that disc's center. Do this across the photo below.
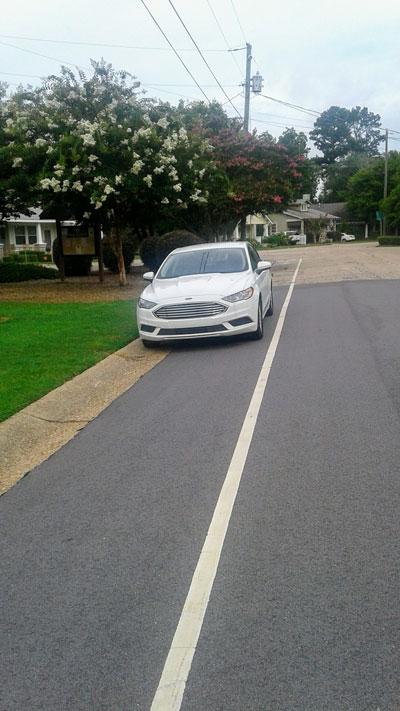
(43, 345)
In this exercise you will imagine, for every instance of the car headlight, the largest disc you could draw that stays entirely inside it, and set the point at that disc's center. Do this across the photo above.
(144, 304)
(240, 295)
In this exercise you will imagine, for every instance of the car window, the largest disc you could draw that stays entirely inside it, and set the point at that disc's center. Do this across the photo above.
(204, 261)
(254, 256)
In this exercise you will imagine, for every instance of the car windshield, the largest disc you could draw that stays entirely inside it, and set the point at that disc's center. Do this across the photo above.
(204, 261)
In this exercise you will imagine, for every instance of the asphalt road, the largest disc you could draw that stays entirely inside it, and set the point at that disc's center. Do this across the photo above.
(99, 544)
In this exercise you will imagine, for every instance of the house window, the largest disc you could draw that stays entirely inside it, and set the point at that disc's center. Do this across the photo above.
(20, 234)
(32, 238)
(25, 234)
(259, 230)
(272, 228)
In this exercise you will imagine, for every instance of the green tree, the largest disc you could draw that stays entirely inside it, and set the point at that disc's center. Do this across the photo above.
(337, 175)
(391, 208)
(340, 131)
(295, 143)
(365, 188)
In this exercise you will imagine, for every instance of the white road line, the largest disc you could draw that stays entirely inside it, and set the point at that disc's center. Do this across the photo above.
(170, 690)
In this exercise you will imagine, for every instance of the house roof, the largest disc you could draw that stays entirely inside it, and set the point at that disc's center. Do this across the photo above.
(33, 217)
(310, 214)
(337, 208)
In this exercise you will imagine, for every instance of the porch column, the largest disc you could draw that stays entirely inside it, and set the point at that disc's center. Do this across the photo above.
(39, 237)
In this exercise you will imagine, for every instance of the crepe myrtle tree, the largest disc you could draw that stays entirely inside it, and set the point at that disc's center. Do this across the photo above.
(102, 157)
(261, 173)
(17, 192)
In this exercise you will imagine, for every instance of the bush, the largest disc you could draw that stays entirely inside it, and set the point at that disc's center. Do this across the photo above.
(333, 235)
(27, 256)
(393, 241)
(277, 240)
(154, 250)
(77, 265)
(10, 272)
(129, 247)
(148, 253)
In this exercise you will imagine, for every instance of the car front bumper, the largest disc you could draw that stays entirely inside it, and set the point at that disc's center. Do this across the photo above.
(238, 318)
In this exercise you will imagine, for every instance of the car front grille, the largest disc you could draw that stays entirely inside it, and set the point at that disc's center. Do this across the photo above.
(190, 310)
(217, 328)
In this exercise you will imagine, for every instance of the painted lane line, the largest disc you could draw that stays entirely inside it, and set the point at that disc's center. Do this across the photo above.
(170, 690)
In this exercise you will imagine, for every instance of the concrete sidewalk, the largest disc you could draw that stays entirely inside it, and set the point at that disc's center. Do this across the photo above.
(33, 434)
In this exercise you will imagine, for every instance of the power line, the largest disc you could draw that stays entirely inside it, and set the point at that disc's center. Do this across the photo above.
(175, 51)
(45, 56)
(172, 93)
(201, 55)
(19, 74)
(238, 21)
(278, 116)
(235, 97)
(227, 86)
(225, 39)
(312, 112)
(104, 44)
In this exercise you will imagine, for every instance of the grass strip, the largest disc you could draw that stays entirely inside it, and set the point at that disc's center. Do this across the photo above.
(43, 345)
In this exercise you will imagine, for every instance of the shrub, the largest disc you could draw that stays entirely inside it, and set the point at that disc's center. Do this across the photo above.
(333, 235)
(77, 265)
(393, 241)
(129, 247)
(10, 272)
(154, 250)
(27, 256)
(148, 253)
(277, 240)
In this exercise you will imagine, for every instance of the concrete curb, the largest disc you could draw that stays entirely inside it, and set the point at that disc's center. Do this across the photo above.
(30, 436)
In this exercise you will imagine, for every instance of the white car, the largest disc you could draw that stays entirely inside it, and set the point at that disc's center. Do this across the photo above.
(346, 238)
(217, 289)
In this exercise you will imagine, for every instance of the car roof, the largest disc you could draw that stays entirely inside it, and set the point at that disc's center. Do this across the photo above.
(210, 245)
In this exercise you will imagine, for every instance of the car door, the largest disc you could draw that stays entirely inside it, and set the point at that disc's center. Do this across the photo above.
(263, 279)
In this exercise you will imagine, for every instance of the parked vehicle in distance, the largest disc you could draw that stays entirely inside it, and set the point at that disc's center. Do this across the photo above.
(216, 289)
(298, 238)
(344, 237)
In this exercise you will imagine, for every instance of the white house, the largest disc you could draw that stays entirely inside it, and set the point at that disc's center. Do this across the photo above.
(296, 218)
(27, 232)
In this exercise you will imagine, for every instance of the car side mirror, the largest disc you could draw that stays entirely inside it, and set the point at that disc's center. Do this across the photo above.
(148, 276)
(262, 266)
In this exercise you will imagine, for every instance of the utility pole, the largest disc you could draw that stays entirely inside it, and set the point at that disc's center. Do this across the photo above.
(246, 118)
(247, 87)
(385, 181)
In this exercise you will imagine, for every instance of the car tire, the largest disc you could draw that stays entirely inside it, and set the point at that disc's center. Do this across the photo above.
(147, 344)
(270, 309)
(259, 332)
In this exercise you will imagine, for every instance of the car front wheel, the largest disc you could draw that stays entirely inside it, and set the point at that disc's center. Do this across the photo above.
(270, 310)
(258, 334)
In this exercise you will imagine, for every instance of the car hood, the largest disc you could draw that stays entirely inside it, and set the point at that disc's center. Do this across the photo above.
(198, 286)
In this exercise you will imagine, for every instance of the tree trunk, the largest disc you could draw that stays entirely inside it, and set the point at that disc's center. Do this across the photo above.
(243, 228)
(120, 257)
(60, 249)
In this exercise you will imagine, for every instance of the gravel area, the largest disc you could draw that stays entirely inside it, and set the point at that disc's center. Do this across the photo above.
(335, 262)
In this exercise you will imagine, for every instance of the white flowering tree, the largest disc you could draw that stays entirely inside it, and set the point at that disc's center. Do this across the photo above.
(103, 159)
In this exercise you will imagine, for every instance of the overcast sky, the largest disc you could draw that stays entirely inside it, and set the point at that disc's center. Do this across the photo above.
(312, 53)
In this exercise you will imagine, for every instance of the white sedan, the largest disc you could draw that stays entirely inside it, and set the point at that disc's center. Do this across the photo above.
(216, 289)
(344, 237)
